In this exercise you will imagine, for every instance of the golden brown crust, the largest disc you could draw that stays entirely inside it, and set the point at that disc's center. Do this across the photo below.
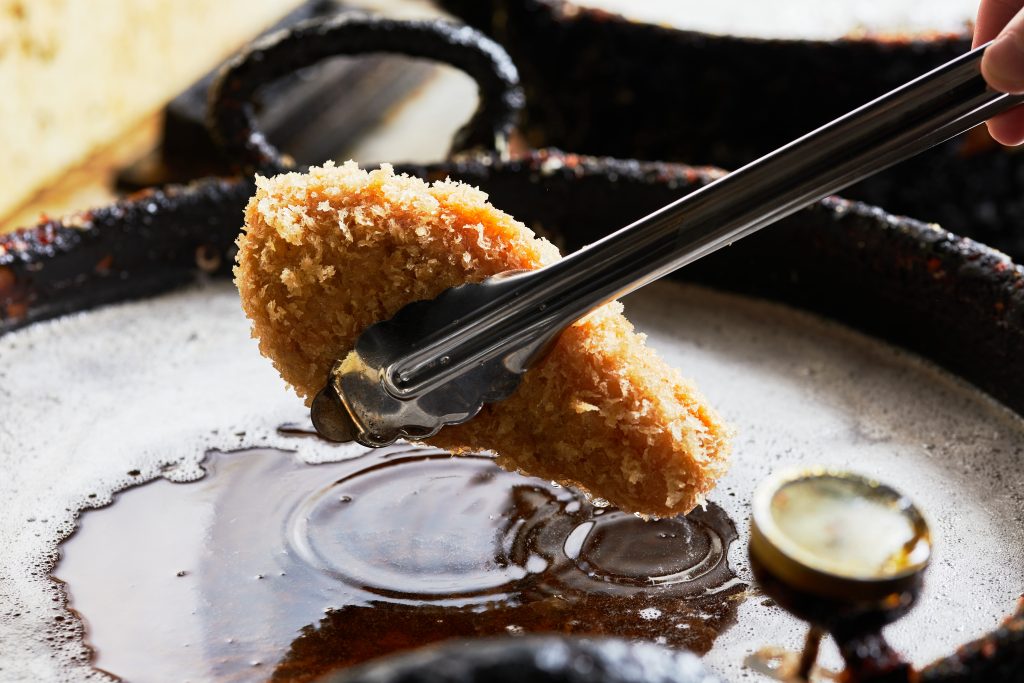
(326, 254)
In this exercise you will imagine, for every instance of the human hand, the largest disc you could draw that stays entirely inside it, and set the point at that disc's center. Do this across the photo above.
(1003, 64)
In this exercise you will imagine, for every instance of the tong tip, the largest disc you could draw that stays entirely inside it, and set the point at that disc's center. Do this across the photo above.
(330, 417)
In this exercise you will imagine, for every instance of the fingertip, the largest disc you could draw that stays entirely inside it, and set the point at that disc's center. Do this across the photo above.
(1003, 66)
(992, 16)
(1008, 128)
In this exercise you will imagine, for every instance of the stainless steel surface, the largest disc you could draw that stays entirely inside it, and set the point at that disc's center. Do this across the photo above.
(331, 418)
(437, 362)
(355, 403)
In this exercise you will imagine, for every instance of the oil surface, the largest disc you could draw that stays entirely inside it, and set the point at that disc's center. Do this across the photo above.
(286, 570)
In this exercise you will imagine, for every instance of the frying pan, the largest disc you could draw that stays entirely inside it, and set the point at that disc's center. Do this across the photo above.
(599, 83)
(946, 298)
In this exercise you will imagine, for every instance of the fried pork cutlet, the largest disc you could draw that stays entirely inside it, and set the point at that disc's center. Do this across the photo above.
(327, 253)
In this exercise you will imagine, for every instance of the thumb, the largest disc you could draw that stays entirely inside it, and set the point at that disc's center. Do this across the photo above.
(1003, 63)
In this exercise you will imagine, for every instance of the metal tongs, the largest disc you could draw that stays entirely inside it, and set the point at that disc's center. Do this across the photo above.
(437, 362)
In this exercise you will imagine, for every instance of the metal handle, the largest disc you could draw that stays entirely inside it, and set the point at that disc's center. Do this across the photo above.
(232, 114)
(926, 111)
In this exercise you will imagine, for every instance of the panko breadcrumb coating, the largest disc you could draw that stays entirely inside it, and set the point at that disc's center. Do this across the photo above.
(327, 253)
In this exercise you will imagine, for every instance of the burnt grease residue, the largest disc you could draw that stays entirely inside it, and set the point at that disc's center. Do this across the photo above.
(299, 569)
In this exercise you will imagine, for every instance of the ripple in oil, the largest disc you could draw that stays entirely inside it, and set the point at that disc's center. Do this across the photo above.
(272, 569)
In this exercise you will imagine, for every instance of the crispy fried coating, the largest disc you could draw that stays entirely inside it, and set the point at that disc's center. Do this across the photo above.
(327, 253)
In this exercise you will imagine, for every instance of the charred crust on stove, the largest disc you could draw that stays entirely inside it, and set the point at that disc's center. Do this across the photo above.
(136, 247)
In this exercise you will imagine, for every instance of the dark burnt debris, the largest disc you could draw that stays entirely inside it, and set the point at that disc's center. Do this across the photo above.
(945, 297)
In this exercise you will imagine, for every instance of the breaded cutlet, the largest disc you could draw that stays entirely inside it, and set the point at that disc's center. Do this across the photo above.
(326, 253)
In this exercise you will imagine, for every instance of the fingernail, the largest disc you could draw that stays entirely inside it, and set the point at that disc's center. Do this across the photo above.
(1003, 65)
